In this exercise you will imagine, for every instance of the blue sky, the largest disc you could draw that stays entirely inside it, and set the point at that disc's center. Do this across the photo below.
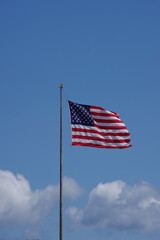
(106, 53)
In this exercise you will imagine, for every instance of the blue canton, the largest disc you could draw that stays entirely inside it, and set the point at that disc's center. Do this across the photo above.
(80, 114)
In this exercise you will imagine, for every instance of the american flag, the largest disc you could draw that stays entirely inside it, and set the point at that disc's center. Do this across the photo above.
(96, 127)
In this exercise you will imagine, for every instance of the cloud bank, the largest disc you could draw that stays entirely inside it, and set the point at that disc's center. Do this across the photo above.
(118, 206)
(113, 205)
(19, 205)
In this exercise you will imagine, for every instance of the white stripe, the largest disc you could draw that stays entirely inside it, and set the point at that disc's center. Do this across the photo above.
(100, 136)
(105, 118)
(100, 143)
(100, 130)
(101, 111)
(109, 124)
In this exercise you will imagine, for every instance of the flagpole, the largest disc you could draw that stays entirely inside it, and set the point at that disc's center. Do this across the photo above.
(61, 173)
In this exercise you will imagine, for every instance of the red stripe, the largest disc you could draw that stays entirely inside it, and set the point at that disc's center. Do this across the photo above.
(101, 133)
(99, 108)
(109, 114)
(102, 114)
(115, 114)
(107, 121)
(97, 145)
(110, 127)
(101, 139)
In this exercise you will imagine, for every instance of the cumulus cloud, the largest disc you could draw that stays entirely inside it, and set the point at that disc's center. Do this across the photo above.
(19, 205)
(116, 205)
(71, 189)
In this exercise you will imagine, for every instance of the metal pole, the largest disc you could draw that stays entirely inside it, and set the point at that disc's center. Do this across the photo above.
(61, 172)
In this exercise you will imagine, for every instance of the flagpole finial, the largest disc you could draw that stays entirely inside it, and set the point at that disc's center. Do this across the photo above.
(61, 86)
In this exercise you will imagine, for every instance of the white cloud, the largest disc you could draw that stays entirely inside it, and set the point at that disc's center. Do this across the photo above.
(19, 205)
(116, 205)
(113, 205)
(76, 215)
(71, 189)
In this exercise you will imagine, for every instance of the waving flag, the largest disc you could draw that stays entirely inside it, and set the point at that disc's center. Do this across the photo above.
(96, 127)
